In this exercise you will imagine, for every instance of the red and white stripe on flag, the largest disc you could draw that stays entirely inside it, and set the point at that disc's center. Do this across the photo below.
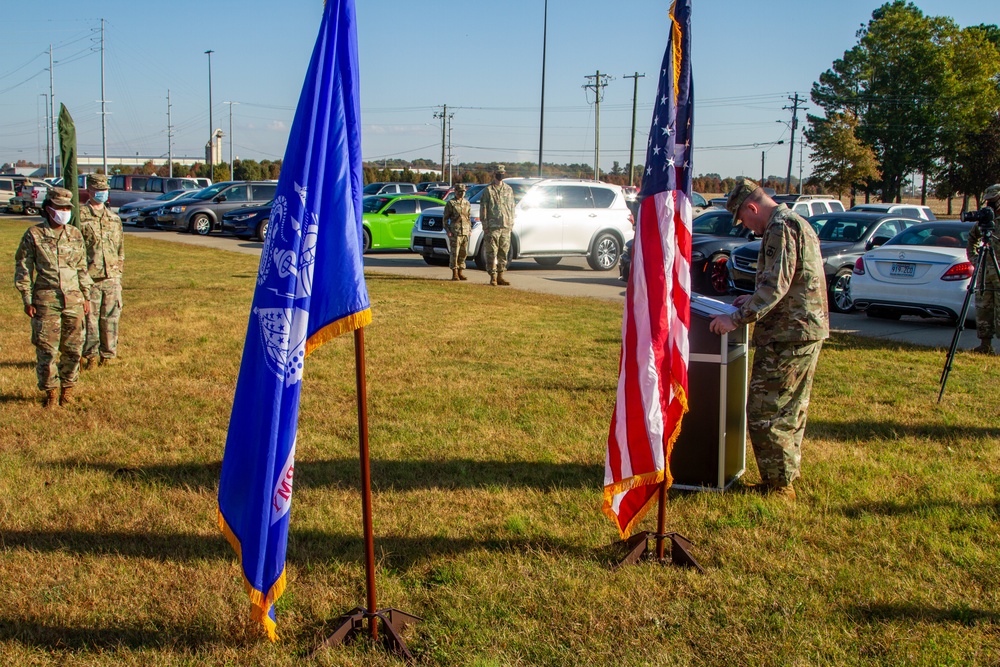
(652, 376)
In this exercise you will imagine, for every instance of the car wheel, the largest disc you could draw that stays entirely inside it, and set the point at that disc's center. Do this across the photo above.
(30, 210)
(718, 275)
(366, 241)
(840, 292)
(201, 225)
(606, 252)
(436, 261)
(547, 261)
(262, 230)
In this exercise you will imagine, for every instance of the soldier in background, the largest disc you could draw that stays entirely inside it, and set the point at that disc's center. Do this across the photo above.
(102, 231)
(458, 225)
(790, 308)
(987, 302)
(496, 211)
(50, 272)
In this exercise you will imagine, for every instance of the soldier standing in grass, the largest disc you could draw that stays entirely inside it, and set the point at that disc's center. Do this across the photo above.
(790, 308)
(50, 272)
(496, 211)
(987, 302)
(458, 225)
(102, 231)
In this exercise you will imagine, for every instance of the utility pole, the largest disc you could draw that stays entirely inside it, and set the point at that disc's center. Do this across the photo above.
(48, 137)
(598, 83)
(231, 171)
(52, 111)
(451, 160)
(104, 109)
(631, 149)
(762, 168)
(802, 150)
(541, 117)
(170, 145)
(211, 124)
(791, 147)
(444, 116)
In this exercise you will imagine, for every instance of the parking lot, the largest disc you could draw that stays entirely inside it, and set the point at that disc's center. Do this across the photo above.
(573, 277)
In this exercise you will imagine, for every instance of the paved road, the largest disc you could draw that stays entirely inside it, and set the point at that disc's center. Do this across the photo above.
(573, 277)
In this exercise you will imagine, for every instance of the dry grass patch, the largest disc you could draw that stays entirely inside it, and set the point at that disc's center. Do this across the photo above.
(489, 410)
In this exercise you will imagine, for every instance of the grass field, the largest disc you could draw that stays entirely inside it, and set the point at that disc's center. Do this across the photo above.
(489, 411)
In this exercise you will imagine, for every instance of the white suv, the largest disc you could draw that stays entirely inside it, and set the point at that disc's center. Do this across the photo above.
(553, 218)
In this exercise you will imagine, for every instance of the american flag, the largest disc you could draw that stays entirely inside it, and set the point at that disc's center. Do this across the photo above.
(652, 376)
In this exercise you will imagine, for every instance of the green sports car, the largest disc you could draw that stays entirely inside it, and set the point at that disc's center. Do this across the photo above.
(388, 219)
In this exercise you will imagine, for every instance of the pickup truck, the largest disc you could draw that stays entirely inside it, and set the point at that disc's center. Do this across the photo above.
(127, 188)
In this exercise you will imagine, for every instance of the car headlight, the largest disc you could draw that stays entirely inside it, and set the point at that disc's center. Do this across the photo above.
(178, 209)
(697, 256)
(475, 222)
(242, 217)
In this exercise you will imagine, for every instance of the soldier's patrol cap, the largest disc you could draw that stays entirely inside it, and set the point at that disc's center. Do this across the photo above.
(59, 197)
(500, 169)
(460, 188)
(992, 192)
(741, 191)
(97, 181)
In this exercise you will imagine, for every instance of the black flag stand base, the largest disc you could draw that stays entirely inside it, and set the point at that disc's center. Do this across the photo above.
(393, 622)
(637, 546)
(638, 549)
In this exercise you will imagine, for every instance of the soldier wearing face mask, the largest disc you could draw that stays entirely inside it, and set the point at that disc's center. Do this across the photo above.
(50, 272)
(102, 232)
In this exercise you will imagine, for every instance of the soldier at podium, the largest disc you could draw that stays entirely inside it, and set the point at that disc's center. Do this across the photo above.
(789, 308)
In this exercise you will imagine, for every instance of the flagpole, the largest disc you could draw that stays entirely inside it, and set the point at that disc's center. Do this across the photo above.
(661, 523)
(366, 478)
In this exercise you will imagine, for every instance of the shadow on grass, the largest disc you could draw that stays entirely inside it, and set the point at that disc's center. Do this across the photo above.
(17, 364)
(391, 475)
(879, 613)
(304, 546)
(895, 508)
(868, 429)
(50, 635)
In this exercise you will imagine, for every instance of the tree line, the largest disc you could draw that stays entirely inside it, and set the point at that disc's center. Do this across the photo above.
(915, 95)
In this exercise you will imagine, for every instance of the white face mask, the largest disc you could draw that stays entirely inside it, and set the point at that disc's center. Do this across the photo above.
(60, 217)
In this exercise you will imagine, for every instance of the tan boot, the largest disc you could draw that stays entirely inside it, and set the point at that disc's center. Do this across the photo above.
(66, 396)
(501, 280)
(493, 279)
(461, 275)
(454, 274)
(787, 492)
(985, 346)
(106, 361)
(51, 399)
(86, 363)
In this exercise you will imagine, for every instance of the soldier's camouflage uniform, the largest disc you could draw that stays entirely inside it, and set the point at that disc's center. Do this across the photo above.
(496, 212)
(789, 306)
(50, 272)
(987, 302)
(458, 224)
(103, 235)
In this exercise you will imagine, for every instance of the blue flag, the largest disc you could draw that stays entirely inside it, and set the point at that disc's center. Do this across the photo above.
(310, 288)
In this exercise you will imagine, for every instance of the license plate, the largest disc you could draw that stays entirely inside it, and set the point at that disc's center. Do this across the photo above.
(902, 270)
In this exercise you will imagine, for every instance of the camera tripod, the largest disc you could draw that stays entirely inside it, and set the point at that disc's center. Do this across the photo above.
(978, 282)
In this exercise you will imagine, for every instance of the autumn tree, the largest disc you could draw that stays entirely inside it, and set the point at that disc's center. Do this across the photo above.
(841, 161)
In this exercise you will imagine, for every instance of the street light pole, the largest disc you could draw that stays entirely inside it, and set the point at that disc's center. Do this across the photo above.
(211, 123)
(541, 118)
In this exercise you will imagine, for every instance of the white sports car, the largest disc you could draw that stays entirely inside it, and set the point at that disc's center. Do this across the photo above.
(921, 271)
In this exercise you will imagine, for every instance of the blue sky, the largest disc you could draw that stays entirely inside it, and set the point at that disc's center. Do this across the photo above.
(481, 59)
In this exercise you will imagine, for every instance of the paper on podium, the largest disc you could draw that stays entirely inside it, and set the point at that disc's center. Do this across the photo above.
(711, 307)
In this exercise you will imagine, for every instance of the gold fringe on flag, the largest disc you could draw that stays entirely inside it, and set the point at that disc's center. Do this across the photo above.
(338, 328)
(260, 604)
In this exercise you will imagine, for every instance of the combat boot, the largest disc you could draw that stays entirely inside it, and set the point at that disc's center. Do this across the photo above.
(106, 361)
(461, 275)
(66, 396)
(493, 279)
(86, 363)
(501, 280)
(786, 492)
(985, 346)
(51, 399)
(454, 274)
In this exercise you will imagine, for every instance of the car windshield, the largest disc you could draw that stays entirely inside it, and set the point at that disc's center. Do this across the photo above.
(835, 228)
(940, 236)
(372, 188)
(209, 192)
(520, 189)
(712, 222)
(373, 204)
(173, 194)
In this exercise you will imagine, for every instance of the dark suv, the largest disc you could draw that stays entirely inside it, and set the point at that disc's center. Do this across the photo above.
(202, 212)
